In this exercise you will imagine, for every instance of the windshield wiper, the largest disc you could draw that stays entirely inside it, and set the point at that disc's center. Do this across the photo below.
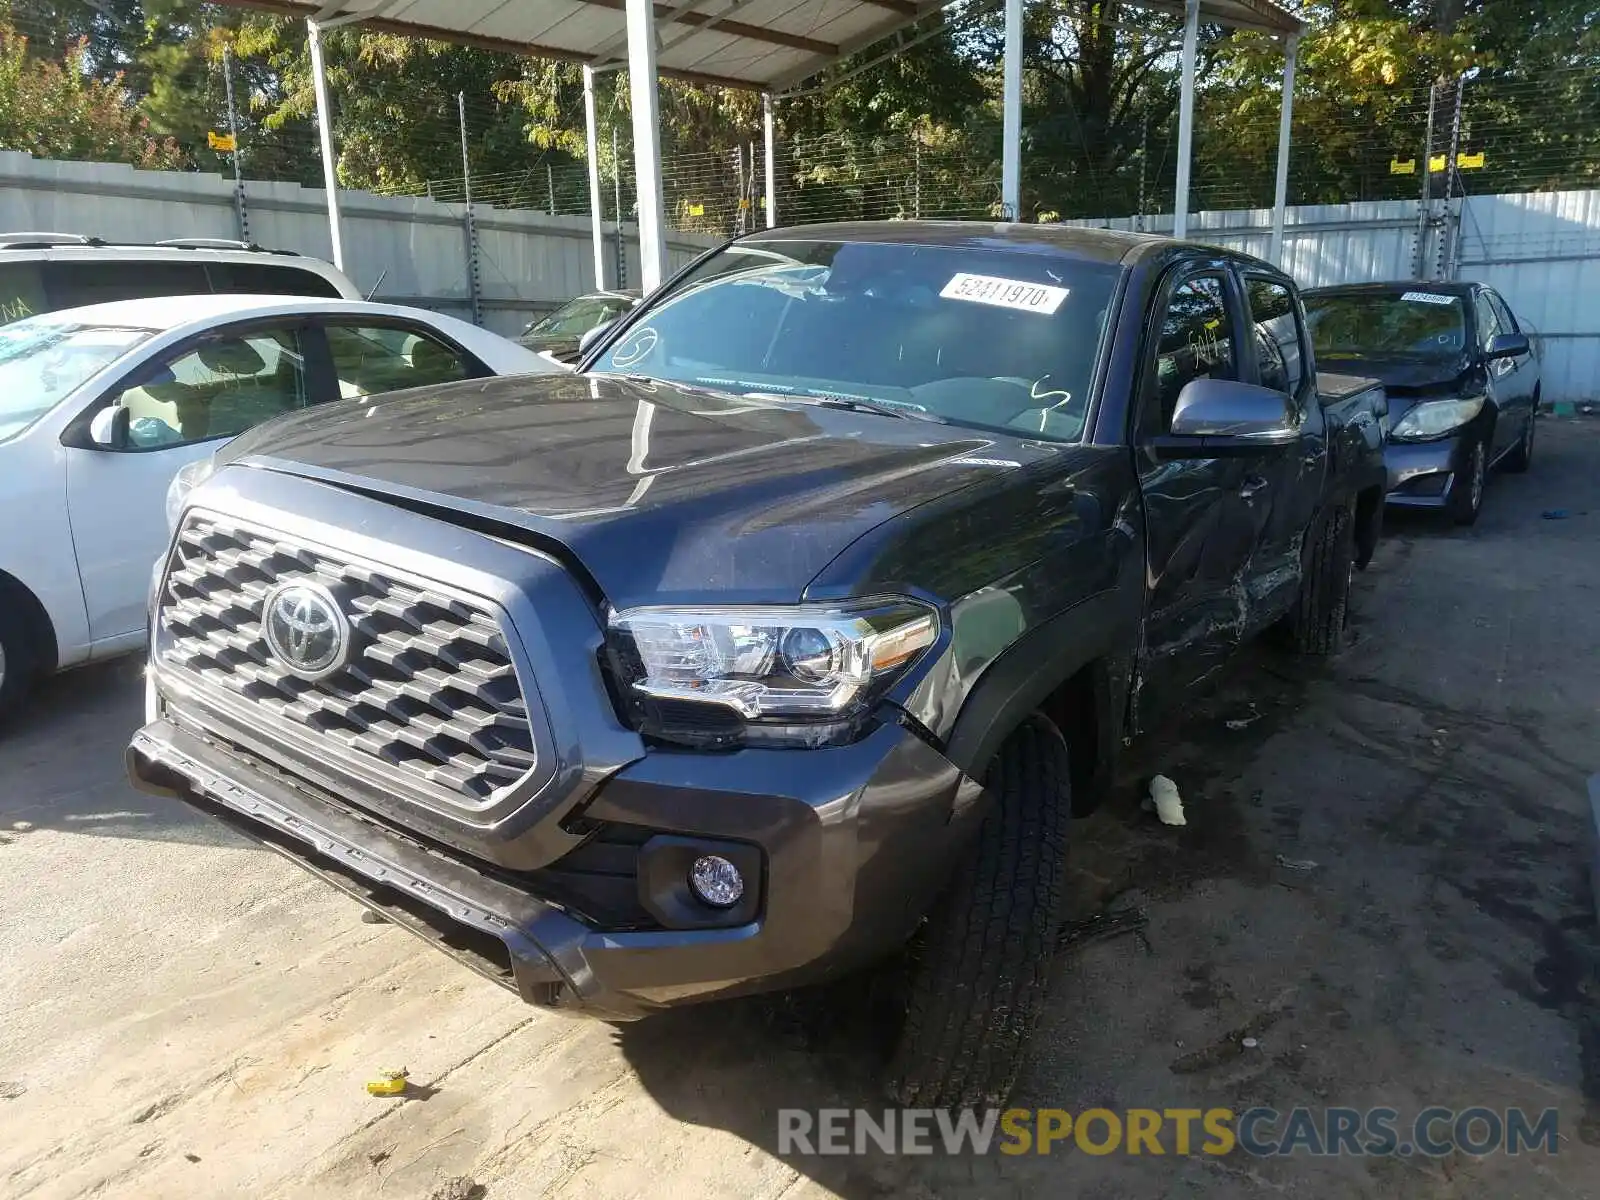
(883, 408)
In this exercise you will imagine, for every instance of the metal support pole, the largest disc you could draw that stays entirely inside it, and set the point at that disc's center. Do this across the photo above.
(1424, 204)
(916, 178)
(241, 216)
(616, 183)
(1445, 263)
(330, 166)
(1191, 51)
(1144, 162)
(473, 290)
(550, 186)
(772, 162)
(596, 212)
(1280, 196)
(646, 142)
(1011, 117)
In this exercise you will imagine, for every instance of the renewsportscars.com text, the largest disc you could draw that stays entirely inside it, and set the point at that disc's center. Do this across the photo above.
(1261, 1132)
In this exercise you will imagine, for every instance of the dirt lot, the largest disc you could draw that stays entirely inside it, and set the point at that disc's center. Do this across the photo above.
(188, 1016)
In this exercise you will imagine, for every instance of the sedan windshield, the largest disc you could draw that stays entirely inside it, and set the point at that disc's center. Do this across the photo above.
(579, 316)
(993, 339)
(1399, 323)
(42, 359)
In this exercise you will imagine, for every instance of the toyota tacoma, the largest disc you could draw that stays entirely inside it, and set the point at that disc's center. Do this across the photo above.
(789, 631)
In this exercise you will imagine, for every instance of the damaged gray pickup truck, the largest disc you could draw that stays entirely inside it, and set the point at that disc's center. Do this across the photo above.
(789, 631)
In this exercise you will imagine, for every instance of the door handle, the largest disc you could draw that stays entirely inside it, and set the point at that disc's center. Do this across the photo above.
(1252, 487)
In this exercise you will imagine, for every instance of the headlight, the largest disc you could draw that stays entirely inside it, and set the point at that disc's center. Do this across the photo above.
(803, 675)
(185, 481)
(1434, 417)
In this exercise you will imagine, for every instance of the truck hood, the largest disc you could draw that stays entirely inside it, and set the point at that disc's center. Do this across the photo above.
(662, 493)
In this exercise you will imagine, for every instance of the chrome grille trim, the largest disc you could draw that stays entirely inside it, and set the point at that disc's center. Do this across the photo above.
(430, 696)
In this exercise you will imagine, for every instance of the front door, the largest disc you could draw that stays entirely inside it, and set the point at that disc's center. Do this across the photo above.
(1198, 522)
(179, 409)
(1283, 484)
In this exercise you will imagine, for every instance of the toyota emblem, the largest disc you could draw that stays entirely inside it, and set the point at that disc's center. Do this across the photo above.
(305, 630)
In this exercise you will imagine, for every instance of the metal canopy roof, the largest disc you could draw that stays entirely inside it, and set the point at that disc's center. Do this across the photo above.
(767, 45)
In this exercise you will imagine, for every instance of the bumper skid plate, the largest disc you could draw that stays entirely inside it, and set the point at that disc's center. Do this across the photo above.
(502, 933)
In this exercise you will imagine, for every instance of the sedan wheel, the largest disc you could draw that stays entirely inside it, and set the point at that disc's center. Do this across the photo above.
(1466, 494)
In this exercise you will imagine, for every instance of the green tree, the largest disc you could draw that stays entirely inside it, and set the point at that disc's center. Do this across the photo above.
(61, 109)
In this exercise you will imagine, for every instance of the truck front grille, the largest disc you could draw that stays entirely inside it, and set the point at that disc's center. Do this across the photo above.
(427, 685)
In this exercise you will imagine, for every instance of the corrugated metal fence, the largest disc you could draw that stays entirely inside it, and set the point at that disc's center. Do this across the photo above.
(1540, 250)
(412, 250)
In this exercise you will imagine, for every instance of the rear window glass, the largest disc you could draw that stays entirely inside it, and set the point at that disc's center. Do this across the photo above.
(991, 339)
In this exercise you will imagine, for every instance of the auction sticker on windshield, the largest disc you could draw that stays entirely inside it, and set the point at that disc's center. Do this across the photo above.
(1004, 293)
(1428, 298)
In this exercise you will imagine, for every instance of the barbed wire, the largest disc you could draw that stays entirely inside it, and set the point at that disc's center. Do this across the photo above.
(1340, 151)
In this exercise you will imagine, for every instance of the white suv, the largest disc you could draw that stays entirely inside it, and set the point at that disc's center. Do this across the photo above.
(43, 272)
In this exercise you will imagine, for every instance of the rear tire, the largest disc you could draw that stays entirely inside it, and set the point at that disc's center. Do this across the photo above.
(980, 974)
(1521, 456)
(1466, 490)
(1317, 622)
(19, 664)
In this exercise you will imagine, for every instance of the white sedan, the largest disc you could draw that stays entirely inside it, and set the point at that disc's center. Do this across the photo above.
(101, 406)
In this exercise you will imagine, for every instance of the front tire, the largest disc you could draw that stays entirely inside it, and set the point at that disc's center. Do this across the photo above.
(980, 975)
(1322, 610)
(1466, 492)
(18, 662)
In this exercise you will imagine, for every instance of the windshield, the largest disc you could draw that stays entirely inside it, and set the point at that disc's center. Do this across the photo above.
(578, 316)
(992, 339)
(1390, 324)
(43, 358)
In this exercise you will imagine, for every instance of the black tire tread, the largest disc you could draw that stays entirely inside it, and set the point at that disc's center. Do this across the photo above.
(980, 980)
(1317, 623)
(21, 665)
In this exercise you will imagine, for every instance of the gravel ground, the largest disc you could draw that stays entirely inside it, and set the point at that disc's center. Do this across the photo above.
(1382, 885)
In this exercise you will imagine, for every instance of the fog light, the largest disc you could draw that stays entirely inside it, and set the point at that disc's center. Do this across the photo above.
(716, 881)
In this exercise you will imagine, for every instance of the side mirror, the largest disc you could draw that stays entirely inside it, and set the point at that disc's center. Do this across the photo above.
(108, 430)
(1507, 345)
(591, 336)
(1217, 418)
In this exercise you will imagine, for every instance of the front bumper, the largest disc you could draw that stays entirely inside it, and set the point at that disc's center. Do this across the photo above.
(853, 849)
(1421, 474)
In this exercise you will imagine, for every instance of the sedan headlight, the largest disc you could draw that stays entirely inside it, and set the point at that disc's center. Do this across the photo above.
(189, 477)
(801, 675)
(1435, 417)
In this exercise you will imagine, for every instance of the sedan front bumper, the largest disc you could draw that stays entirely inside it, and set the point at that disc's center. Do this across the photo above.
(1421, 473)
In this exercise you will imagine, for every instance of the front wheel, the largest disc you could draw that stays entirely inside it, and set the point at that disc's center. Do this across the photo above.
(18, 666)
(1466, 493)
(1317, 622)
(980, 973)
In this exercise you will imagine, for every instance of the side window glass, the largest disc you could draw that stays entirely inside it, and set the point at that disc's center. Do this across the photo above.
(217, 389)
(263, 279)
(1502, 312)
(368, 360)
(1279, 340)
(1195, 342)
(1488, 323)
(70, 284)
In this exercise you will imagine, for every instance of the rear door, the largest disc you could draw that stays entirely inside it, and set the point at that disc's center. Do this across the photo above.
(1200, 527)
(181, 406)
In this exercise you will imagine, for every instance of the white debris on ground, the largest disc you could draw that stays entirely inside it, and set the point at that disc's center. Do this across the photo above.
(1165, 800)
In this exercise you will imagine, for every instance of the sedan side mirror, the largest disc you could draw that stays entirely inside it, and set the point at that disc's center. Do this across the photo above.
(591, 336)
(1217, 418)
(108, 430)
(1507, 345)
